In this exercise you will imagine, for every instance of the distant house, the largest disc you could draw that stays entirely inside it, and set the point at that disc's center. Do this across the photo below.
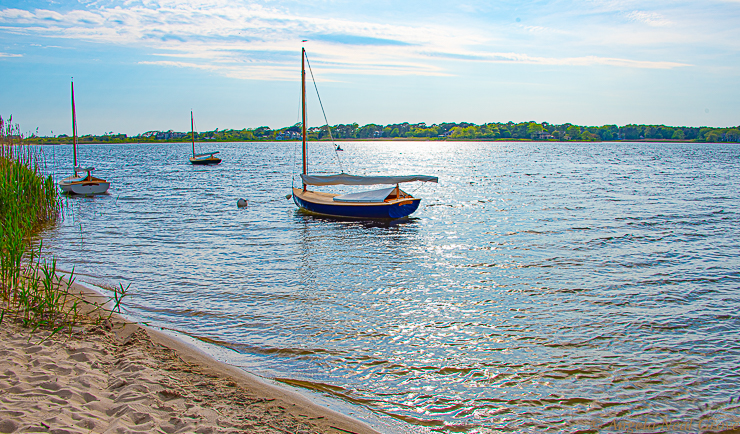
(542, 135)
(168, 135)
(288, 135)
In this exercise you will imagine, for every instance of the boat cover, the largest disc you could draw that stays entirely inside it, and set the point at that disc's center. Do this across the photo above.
(345, 179)
(71, 179)
(366, 196)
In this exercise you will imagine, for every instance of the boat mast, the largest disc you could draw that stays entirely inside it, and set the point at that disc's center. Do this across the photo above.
(303, 110)
(192, 131)
(74, 129)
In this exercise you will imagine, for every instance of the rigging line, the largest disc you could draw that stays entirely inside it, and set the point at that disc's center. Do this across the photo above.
(295, 145)
(336, 153)
(294, 166)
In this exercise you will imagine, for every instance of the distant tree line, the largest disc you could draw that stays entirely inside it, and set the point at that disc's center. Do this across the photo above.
(445, 131)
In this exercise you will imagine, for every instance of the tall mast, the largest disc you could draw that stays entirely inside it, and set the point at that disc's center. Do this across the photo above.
(192, 131)
(74, 129)
(303, 110)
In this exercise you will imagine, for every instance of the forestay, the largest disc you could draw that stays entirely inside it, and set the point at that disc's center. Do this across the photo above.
(366, 196)
(345, 179)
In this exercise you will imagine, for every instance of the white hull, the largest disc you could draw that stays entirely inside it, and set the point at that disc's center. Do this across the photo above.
(205, 159)
(84, 188)
(85, 185)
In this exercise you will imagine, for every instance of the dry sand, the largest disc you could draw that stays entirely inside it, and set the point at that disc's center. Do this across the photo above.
(116, 377)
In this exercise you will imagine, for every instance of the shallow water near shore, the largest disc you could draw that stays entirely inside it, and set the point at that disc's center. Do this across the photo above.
(540, 287)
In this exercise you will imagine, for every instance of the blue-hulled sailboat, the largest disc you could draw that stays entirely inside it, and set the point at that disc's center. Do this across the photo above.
(208, 158)
(385, 203)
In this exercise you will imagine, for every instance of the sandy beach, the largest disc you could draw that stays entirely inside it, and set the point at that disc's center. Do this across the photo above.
(112, 376)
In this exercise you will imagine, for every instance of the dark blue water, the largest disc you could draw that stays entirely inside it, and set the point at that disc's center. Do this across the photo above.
(540, 287)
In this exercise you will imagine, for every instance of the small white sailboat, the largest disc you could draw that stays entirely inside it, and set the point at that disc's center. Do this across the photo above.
(386, 203)
(207, 158)
(81, 182)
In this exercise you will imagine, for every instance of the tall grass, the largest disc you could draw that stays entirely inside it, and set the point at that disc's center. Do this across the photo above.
(30, 289)
(27, 200)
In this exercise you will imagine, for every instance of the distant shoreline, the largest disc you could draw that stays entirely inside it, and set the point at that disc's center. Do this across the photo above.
(446, 131)
(41, 141)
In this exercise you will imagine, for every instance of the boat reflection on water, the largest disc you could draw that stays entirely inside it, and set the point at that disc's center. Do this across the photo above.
(330, 247)
(308, 216)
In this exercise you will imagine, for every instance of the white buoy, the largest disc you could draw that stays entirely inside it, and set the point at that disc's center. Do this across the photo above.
(241, 203)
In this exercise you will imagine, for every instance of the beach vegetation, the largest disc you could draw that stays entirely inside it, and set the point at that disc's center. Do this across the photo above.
(28, 200)
(31, 290)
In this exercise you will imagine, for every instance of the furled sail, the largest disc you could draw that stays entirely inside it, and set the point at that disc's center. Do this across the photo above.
(344, 179)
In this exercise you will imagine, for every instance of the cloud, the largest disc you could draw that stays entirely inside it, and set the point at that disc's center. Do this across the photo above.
(650, 18)
(252, 41)
(565, 61)
(10, 55)
(258, 72)
(358, 40)
(252, 37)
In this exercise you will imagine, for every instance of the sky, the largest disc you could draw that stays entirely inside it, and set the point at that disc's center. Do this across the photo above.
(142, 65)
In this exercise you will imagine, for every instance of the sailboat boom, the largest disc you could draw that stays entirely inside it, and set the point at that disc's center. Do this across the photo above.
(344, 179)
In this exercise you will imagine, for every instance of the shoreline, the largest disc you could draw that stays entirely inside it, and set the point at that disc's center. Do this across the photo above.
(389, 139)
(115, 375)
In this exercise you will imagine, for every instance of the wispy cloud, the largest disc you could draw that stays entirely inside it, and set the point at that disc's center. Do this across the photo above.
(649, 18)
(255, 72)
(10, 55)
(564, 61)
(255, 41)
(227, 36)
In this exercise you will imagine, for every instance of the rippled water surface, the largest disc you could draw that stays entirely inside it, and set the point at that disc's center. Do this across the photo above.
(540, 287)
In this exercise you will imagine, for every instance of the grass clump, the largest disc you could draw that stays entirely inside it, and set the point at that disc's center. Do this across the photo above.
(27, 200)
(29, 287)
(30, 290)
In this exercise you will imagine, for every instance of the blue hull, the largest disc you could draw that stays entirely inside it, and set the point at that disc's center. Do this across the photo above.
(205, 162)
(373, 211)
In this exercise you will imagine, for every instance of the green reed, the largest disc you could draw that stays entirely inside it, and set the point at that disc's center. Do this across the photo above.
(29, 287)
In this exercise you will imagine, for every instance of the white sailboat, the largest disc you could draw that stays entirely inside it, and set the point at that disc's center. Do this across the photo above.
(81, 182)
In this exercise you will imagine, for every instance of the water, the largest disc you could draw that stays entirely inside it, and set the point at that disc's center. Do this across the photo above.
(540, 287)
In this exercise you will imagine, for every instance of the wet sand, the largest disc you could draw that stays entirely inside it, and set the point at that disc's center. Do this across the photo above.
(112, 376)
